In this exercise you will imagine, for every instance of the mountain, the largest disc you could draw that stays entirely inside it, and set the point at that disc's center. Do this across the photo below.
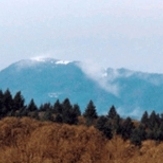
(138, 91)
(47, 80)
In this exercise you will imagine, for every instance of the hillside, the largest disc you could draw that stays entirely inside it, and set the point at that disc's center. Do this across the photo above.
(24, 140)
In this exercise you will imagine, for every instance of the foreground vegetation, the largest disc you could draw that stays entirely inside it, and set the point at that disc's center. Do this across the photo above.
(25, 140)
(60, 133)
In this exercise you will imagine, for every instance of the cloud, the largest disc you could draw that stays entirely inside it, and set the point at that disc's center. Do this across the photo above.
(40, 10)
(97, 73)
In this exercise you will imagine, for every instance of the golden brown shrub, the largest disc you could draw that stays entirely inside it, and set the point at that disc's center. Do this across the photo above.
(64, 143)
(27, 140)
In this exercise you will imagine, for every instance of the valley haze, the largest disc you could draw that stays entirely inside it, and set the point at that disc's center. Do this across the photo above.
(49, 79)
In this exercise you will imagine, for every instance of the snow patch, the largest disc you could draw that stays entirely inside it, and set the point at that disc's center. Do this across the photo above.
(54, 94)
(39, 59)
(62, 62)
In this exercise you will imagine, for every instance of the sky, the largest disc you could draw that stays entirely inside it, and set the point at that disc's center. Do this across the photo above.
(105, 33)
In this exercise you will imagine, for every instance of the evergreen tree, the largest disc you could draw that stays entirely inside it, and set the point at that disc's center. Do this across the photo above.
(58, 118)
(142, 132)
(159, 134)
(4, 111)
(138, 135)
(70, 118)
(154, 121)
(66, 110)
(41, 108)
(104, 126)
(46, 107)
(117, 124)
(90, 113)
(76, 109)
(136, 138)
(66, 105)
(115, 120)
(112, 113)
(57, 107)
(32, 106)
(101, 122)
(107, 130)
(151, 134)
(48, 116)
(7, 102)
(145, 119)
(127, 128)
(22, 112)
(1, 95)
(68, 113)
(18, 101)
(161, 117)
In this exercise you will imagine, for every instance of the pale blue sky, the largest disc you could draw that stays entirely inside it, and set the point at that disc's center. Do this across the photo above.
(110, 33)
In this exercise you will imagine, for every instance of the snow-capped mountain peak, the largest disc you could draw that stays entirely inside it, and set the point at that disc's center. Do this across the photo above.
(51, 60)
(36, 61)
